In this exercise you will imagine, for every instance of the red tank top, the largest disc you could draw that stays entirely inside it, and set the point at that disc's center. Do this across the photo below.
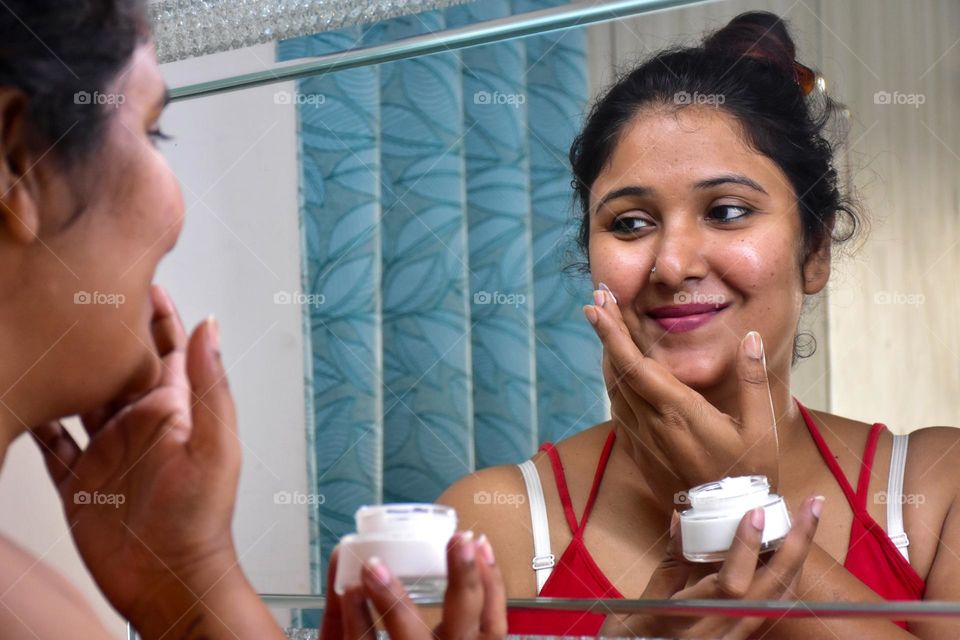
(871, 555)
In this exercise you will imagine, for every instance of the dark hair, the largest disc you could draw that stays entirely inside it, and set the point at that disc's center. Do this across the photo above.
(60, 55)
(751, 63)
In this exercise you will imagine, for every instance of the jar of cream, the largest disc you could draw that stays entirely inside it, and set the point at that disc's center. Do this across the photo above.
(708, 527)
(410, 539)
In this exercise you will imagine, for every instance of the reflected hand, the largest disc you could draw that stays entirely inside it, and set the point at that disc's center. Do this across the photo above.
(678, 439)
(150, 500)
(474, 605)
(738, 578)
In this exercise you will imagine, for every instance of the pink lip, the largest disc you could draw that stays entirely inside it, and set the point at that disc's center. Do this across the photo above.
(685, 317)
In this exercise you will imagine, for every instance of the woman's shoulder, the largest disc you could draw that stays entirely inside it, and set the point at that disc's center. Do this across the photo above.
(928, 446)
(499, 490)
(31, 590)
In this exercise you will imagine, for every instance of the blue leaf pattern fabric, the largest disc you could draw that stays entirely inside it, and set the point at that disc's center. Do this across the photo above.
(436, 222)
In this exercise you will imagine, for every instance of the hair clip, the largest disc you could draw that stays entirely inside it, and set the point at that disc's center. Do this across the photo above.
(805, 77)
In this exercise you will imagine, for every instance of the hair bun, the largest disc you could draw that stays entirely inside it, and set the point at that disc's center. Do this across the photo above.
(755, 34)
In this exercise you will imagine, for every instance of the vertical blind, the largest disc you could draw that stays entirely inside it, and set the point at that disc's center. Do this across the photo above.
(445, 333)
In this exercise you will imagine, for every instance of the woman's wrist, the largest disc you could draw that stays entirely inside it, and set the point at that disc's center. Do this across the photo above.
(213, 601)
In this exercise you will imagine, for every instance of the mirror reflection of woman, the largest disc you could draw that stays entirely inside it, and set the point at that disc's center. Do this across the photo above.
(711, 209)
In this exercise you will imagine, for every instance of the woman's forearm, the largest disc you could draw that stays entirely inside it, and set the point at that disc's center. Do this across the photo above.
(222, 605)
(825, 580)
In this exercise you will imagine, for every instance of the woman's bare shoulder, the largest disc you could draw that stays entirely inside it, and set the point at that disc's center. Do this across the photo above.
(32, 590)
(494, 500)
(483, 497)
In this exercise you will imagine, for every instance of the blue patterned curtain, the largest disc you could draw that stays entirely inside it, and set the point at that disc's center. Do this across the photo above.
(436, 224)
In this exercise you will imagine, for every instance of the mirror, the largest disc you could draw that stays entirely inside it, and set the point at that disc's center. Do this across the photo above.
(391, 250)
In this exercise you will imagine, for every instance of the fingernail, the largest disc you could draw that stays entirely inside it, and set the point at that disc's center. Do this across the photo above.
(380, 571)
(816, 506)
(598, 298)
(468, 550)
(606, 289)
(213, 327)
(754, 345)
(486, 551)
(591, 312)
(674, 522)
(757, 517)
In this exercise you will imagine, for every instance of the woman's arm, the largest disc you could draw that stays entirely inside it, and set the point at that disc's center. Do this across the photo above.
(30, 591)
(825, 580)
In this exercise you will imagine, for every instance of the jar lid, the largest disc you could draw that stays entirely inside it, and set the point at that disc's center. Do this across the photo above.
(413, 519)
(740, 493)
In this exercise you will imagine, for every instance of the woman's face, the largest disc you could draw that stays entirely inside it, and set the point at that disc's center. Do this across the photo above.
(77, 291)
(683, 191)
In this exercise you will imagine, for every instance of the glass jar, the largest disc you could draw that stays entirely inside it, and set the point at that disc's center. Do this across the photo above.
(708, 527)
(410, 539)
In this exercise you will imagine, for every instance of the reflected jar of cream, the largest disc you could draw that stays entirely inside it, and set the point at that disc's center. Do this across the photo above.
(410, 539)
(708, 527)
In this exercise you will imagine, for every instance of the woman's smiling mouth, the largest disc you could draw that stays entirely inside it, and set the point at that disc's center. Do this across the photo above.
(680, 318)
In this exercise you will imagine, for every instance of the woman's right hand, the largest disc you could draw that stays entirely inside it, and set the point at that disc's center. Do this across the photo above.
(474, 605)
(739, 577)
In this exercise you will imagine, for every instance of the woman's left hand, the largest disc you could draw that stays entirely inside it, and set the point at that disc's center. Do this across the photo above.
(150, 500)
(742, 576)
(678, 439)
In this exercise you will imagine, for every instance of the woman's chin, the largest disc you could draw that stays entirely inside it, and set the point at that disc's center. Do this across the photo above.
(144, 377)
(697, 371)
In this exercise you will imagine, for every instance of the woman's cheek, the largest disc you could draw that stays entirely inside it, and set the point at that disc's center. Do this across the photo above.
(618, 264)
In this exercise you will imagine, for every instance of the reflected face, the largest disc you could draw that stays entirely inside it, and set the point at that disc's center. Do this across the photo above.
(683, 191)
(82, 292)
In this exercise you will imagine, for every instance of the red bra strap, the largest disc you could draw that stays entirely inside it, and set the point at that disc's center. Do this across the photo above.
(863, 484)
(563, 490)
(561, 485)
(827, 456)
(598, 477)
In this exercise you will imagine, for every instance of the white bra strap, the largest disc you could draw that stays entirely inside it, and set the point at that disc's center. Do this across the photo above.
(898, 462)
(543, 559)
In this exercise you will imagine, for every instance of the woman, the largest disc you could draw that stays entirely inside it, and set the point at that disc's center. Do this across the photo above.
(711, 207)
(88, 207)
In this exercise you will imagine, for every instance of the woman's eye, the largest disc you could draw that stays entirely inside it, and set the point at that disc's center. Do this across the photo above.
(729, 213)
(627, 225)
(158, 135)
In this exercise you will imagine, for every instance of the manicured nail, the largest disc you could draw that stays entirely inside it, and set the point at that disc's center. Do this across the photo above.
(598, 298)
(468, 550)
(754, 345)
(486, 551)
(674, 523)
(816, 506)
(591, 312)
(380, 571)
(606, 289)
(757, 517)
(214, 331)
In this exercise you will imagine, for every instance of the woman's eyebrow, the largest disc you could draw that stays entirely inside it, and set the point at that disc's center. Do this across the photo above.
(634, 190)
(164, 100)
(639, 191)
(730, 178)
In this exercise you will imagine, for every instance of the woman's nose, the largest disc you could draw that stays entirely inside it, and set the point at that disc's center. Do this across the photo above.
(678, 256)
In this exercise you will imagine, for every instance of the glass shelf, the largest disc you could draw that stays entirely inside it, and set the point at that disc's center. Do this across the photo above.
(289, 605)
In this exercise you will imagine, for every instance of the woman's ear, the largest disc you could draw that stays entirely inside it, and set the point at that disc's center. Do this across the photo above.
(816, 266)
(19, 210)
